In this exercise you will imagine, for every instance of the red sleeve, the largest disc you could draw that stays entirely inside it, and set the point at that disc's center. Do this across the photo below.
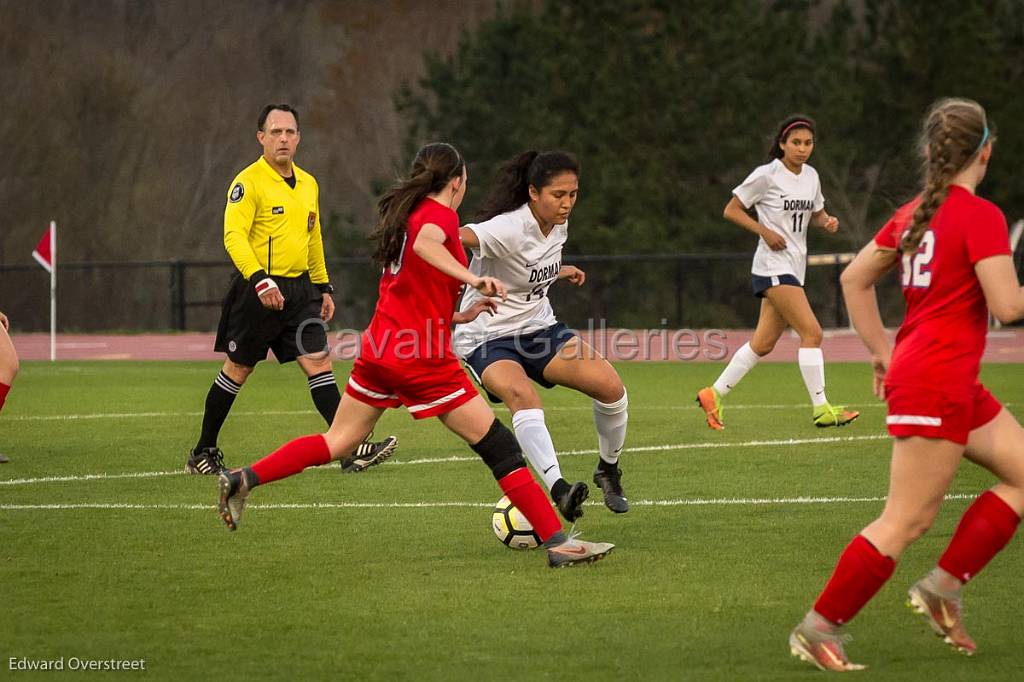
(891, 234)
(445, 218)
(886, 237)
(989, 235)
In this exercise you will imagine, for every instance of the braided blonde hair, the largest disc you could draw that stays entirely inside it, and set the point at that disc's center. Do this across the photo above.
(955, 130)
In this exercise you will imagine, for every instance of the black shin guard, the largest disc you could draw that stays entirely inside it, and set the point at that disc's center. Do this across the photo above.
(500, 451)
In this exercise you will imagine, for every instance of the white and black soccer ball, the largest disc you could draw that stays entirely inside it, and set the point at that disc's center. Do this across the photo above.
(511, 527)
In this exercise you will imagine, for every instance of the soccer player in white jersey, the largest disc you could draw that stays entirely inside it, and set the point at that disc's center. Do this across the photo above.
(787, 195)
(518, 238)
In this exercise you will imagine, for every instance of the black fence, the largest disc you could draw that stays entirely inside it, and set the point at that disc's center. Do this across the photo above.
(642, 291)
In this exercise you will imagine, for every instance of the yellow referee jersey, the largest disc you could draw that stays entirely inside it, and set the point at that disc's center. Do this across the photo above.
(270, 226)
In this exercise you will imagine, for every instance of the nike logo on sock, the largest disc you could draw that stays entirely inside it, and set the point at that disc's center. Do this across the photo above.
(549, 468)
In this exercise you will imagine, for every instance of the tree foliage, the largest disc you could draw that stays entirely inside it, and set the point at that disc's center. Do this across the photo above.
(669, 104)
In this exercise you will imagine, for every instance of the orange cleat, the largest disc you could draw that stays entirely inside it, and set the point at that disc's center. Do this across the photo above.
(943, 615)
(711, 402)
(824, 650)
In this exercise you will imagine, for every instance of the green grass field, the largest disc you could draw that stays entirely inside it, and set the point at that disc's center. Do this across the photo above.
(395, 573)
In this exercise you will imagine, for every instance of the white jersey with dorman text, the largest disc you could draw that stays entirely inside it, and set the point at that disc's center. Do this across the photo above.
(784, 202)
(513, 249)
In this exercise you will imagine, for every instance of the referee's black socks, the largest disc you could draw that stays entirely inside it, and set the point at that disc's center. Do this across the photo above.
(325, 394)
(218, 404)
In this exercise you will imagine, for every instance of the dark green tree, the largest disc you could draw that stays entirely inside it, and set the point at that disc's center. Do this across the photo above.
(669, 105)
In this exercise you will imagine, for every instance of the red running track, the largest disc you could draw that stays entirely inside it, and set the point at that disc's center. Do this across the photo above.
(1005, 345)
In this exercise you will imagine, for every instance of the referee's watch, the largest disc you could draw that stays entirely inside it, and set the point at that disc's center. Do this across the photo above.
(327, 288)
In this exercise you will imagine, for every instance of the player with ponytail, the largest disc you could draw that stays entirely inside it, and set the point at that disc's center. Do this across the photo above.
(517, 236)
(787, 195)
(953, 252)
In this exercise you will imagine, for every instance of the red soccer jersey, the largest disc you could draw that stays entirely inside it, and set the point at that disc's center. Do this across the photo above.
(940, 343)
(416, 302)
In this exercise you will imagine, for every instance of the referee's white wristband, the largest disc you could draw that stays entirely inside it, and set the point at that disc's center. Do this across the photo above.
(264, 285)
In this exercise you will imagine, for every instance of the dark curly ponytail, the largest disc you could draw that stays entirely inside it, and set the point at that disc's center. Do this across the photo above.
(511, 186)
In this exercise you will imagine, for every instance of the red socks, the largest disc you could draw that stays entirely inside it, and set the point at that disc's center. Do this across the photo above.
(293, 457)
(528, 497)
(985, 528)
(860, 573)
(4, 390)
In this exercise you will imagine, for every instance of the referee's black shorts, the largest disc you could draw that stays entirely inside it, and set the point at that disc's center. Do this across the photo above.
(247, 330)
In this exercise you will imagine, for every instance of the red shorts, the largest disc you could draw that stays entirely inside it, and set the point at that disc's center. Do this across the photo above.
(925, 412)
(427, 389)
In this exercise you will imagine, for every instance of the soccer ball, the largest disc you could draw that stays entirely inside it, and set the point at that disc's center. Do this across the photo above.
(511, 526)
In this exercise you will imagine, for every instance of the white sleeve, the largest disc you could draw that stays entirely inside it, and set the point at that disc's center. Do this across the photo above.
(753, 189)
(819, 198)
(499, 236)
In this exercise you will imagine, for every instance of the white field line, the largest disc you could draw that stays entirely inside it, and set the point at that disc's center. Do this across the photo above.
(694, 502)
(292, 413)
(90, 477)
(456, 458)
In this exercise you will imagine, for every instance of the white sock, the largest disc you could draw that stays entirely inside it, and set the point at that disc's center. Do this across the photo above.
(812, 367)
(533, 437)
(610, 420)
(743, 360)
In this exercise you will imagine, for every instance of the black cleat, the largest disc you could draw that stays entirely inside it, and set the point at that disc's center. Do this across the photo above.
(610, 483)
(570, 505)
(369, 454)
(206, 462)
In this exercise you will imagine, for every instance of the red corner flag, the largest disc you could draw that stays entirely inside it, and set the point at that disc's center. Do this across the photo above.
(46, 254)
(43, 252)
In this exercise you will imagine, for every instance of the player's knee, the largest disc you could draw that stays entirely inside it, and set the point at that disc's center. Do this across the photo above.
(614, 400)
(519, 397)
(761, 348)
(500, 450)
(317, 364)
(611, 393)
(236, 372)
(811, 338)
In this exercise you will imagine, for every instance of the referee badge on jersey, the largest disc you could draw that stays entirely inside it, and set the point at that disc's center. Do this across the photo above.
(312, 221)
(237, 192)
(277, 210)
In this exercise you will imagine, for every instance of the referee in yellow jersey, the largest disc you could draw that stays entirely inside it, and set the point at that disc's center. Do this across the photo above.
(280, 296)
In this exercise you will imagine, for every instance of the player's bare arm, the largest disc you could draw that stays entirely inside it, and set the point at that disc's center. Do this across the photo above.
(1003, 292)
(858, 282)
(827, 222)
(573, 274)
(484, 305)
(735, 212)
(327, 308)
(469, 238)
(429, 246)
